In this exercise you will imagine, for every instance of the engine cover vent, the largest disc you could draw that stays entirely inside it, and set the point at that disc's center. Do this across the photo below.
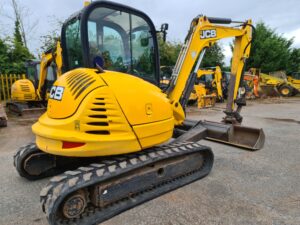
(25, 88)
(79, 82)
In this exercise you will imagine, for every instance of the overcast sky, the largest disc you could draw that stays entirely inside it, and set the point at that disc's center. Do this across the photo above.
(284, 16)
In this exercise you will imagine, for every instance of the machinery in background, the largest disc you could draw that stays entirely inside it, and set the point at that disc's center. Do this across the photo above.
(3, 116)
(294, 79)
(208, 88)
(284, 86)
(165, 75)
(31, 94)
(108, 116)
(275, 83)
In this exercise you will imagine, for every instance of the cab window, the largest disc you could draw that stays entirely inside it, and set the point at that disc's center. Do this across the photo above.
(73, 44)
(31, 72)
(124, 42)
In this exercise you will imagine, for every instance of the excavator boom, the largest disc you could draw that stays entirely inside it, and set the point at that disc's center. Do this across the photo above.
(203, 34)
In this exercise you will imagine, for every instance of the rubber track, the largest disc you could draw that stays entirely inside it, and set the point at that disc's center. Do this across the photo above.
(22, 154)
(61, 186)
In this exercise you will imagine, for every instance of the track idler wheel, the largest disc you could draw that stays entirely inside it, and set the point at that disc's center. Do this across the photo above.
(32, 164)
(74, 205)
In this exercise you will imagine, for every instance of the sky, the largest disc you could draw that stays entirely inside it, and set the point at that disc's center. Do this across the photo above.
(283, 16)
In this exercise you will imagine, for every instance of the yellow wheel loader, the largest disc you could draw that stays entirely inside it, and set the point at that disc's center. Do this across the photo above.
(31, 94)
(120, 140)
(278, 83)
(294, 79)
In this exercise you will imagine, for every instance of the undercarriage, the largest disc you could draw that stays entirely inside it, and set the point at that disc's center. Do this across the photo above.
(93, 189)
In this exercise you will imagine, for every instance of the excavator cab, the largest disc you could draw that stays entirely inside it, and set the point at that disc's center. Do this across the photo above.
(124, 37)
(33, 73)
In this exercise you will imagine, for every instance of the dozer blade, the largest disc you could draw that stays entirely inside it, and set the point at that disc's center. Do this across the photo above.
(236, 135)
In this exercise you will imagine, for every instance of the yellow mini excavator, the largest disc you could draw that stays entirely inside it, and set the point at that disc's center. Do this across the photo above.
(107, 115)
(208, 87)
(32, 93)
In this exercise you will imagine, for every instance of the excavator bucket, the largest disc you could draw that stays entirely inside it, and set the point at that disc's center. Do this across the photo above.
(236, 135)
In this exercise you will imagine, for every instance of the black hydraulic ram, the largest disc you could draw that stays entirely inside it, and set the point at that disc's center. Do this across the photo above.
(218, 20)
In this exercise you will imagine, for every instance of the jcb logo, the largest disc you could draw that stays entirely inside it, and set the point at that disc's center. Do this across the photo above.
(56, 92)
(208, 34)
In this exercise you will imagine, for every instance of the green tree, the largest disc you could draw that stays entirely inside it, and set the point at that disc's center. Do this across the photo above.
(294, 61)
(49, 39)
(168, 52)
(18, 54)
(269, 51)
(213, 57)
(4, 59)
(17, 34)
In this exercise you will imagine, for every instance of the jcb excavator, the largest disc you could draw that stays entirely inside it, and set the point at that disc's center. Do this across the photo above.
(108, 116)
(32, 93)
(208, 87)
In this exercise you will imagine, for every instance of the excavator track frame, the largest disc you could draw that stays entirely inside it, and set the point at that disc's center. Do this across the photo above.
(61, 188)
(34, 164)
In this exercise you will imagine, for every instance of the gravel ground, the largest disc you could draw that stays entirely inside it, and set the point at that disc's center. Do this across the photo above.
(261, 187)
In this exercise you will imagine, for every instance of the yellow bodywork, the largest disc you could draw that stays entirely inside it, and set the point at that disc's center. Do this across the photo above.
(96, 113)
(23, 90)
(295, 82)
(276, 80)
(204, 100)
(202, 95)
(195, 44)
(109, 119)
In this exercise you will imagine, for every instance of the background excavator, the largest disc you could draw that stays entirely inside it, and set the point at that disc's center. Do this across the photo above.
(31, 94)
(108, 115)
(208, 87)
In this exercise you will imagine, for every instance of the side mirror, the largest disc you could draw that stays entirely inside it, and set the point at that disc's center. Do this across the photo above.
(163, 29)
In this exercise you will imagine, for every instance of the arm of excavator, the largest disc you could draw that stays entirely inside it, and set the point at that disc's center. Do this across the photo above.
(51, 55)
(218, 81)
(203, 33)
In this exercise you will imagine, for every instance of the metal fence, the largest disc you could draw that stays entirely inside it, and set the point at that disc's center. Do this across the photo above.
(6, 81)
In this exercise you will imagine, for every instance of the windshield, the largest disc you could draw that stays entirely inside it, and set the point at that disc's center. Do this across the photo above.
(123, 40)
(73, 44)
(31, 72)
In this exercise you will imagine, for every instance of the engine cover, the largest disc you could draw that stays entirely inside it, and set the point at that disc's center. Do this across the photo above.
(105, 113)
